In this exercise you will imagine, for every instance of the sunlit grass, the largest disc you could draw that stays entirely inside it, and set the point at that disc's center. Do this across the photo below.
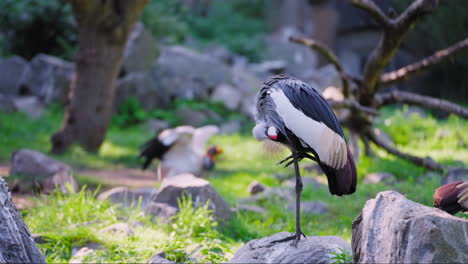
(243, 161)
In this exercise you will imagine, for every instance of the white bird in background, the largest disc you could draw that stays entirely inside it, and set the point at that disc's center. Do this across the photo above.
(180, 150)
(292, 113)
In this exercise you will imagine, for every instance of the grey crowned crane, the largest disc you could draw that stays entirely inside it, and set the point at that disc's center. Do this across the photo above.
(179, 150)
(295, 115)
(452, 197)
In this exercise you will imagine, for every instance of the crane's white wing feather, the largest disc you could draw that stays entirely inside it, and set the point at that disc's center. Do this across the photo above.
(330, 146)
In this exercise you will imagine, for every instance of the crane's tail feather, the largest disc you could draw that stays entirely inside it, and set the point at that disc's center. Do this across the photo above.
(341, 181)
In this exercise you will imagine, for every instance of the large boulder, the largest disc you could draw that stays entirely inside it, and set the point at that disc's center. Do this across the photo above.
(142, 87)
(11, 73)
(48, 78)
(313, 249)
(16, 243)
(393, 229)
(184, 73)
(199, 189)
(141, 51)
(228, 95)
(34, 168)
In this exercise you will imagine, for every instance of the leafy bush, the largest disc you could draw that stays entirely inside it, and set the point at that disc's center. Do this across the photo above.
(239, 25)
(132, 113)
(31, 27)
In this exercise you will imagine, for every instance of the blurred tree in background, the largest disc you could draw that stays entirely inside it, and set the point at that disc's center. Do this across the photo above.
(103, 29)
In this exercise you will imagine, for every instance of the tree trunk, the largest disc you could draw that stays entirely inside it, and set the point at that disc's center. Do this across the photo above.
(103, 28)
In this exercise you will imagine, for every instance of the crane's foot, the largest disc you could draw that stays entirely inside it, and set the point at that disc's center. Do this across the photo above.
(295, 237)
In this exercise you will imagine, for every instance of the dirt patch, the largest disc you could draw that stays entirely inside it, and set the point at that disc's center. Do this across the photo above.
(123, 177)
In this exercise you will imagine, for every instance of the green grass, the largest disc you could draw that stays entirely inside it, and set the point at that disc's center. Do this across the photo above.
(193, 234)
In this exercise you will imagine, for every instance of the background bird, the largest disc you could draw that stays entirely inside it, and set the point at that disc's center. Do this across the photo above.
(292, 113)
(180, 150)
(452, 197)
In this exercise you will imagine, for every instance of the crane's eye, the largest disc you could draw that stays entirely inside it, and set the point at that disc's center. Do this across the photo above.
(272, 133)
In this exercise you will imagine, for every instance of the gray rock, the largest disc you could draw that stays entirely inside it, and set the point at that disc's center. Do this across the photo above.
(308, 182)
(141, 52)
(282, 194)
(7, 103)
(129, 198)
(379, 177)
(156, 125)
(246, 81)
(184, 73)
(455, 174)
(230, 127)
(62, 181)
(31, 169)
(256, 187)
(323, 77)
(393, 229)
(163, 211)
(142, 87)
(17, 245)
(314, 249)
(270, 67)
(228, 95)
(11, 73)
(192, 117)
(80, 253)
(30, 105)
(199, 189)
(48, 78)
(118, 228)
(252, 208)
(248, 106)
(300, 59)
(310, 207)
(159, 258)
(220, 53)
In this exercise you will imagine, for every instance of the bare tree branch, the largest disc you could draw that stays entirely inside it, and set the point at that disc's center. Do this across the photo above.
(389, 43)
(421, 100)
(427, 162)
(320, 48)
(412, 69)
(349, 103)
(373, 10)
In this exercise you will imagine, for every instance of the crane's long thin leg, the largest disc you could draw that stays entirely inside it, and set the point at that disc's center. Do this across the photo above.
(299, 185)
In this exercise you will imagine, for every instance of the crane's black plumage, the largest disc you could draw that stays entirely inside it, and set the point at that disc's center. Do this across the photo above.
(294, 114)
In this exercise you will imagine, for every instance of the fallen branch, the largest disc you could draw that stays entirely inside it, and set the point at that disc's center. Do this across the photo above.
(320, 48)
(412, 69)
(349, 103)
(421, 100)
(427, 162)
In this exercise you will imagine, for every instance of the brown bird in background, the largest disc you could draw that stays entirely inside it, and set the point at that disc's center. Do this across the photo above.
(452, 197)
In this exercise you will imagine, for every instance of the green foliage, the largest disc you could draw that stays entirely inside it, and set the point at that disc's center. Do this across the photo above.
(131, 113)
(163, 19)
(239, 25)
(68, 221)
(31, 27)
(343, 257)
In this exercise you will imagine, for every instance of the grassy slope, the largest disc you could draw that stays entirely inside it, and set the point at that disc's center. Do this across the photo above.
(243, 161)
